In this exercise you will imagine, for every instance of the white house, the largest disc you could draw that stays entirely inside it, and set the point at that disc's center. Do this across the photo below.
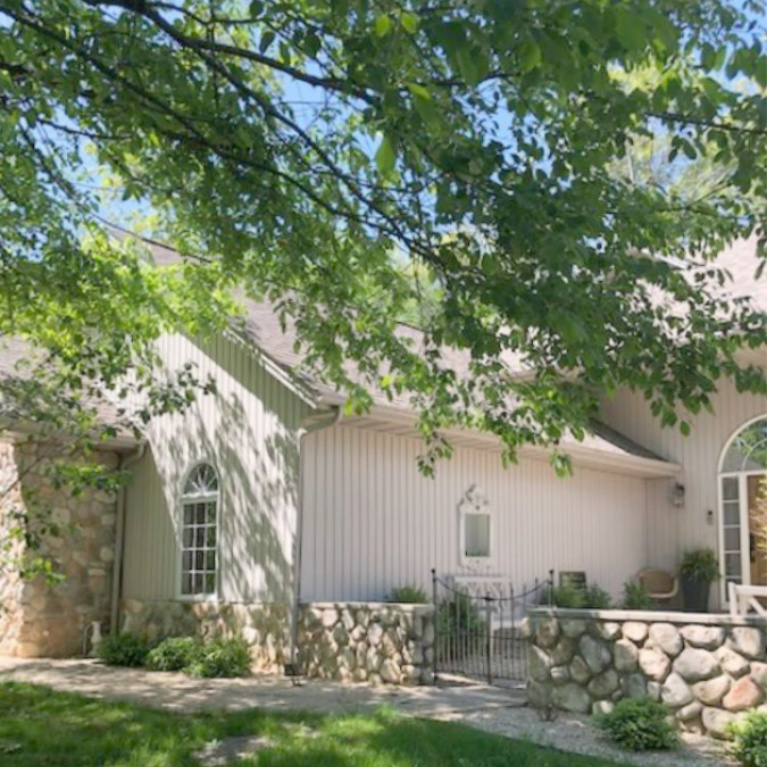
(264, 496)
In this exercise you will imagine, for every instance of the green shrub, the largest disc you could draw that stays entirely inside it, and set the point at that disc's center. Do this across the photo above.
(572, 597)
(564, 596)
(700, 565)
(174, 654)
(750, 735)
(596, 598)
(635, 597)
(221, 658)
(639, 725)
(408, 594)
(123, 650)
(460, 627)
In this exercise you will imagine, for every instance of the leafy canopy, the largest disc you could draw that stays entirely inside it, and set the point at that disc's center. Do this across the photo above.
(299, 144)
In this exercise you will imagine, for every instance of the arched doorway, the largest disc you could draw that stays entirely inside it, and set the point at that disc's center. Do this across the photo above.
(742, 504)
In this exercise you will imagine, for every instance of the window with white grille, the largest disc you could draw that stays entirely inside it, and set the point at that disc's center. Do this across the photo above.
(199, 532)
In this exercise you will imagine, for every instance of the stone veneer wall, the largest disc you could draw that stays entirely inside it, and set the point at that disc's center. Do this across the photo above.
(263, 626)
(368, 642)
(39, 619)
(392, 643)
(707, 669)
(11, 612)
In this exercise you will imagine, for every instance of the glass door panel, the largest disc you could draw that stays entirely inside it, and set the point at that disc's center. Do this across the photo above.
(732, 533)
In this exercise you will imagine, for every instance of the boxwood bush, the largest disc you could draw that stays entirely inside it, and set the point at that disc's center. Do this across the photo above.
(125, 649)
(568, 596)
(221, 658)
(174, 654)
(408, 594)
(635, 597)
(639, 725)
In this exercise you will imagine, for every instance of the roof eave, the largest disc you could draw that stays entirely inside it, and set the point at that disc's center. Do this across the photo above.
(583, 456)
(294, 383)
(119, 443)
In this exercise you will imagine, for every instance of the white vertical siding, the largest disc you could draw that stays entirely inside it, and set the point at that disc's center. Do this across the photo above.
(372, 521)
(673, 530)
(248, 430)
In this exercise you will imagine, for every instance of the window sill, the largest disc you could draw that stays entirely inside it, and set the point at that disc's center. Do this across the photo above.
(198, 598)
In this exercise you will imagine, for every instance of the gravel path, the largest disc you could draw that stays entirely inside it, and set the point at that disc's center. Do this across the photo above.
(578, 734)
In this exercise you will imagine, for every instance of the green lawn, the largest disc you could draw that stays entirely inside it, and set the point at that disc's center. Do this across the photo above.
(39, 727)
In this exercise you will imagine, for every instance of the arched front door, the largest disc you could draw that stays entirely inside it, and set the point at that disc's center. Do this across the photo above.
(743, 506)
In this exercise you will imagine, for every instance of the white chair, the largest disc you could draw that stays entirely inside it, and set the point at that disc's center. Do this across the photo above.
(660, 585)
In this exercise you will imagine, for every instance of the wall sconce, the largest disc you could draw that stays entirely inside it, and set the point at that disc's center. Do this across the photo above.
(677, 495)
(710, 516)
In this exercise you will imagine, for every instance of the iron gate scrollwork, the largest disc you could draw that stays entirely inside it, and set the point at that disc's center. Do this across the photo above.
(478, 626)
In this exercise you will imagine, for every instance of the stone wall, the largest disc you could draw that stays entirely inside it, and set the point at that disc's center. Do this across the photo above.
(368, 642)
(707, 669)
(358, 642)
(37, 618)
(264, 626)
(11, 550)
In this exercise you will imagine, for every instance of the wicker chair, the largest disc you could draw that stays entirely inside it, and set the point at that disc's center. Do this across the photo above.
(659, 584)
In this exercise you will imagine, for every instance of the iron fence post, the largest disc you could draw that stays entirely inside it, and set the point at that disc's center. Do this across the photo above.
(512, 641)
(434, 618)
(488, 640)
(551, 586)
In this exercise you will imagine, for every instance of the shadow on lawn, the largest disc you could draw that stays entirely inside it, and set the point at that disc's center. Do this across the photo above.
(40, 728)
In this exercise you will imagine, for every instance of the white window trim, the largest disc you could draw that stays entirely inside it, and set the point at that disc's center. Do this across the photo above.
(740, 475)
(203, 497)
(475, 502)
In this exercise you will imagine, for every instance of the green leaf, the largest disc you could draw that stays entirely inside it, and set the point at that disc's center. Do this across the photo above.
(630, 28)
(468, 66)
(419, 91)
(529, 55)
(312, 43)
(386, 157)
(266, 40)
(409, 22)
(383, 25)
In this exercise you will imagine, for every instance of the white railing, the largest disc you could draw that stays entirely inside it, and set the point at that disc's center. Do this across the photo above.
(745, 598)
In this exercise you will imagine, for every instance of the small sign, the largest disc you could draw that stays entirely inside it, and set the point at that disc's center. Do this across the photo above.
(573, 579)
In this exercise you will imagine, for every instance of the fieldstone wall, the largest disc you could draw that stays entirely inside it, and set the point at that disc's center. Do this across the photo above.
(360, 642)
(39, 619)
(707, 669)
(11, 550)
(264, 626)
(368, 642)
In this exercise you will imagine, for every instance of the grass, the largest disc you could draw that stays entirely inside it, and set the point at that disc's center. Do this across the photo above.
(40, 728)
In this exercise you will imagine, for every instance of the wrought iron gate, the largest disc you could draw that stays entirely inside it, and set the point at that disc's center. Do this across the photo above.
(478, 627)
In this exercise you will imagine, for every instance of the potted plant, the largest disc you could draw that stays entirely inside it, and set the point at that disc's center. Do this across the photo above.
(699, 569)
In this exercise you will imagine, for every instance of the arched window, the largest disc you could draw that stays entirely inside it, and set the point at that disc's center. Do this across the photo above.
(742, 477)
(199, 519)
(748, 450)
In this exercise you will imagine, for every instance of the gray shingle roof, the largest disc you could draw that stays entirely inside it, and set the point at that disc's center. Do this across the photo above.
(261, 326)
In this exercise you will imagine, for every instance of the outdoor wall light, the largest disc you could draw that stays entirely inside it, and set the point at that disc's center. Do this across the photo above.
(677, 494)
